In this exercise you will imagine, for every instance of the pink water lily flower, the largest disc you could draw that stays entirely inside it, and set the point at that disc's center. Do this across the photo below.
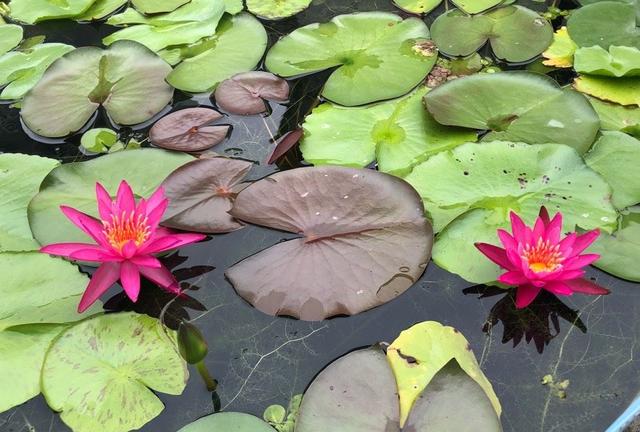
(127, 237)
(538, 258)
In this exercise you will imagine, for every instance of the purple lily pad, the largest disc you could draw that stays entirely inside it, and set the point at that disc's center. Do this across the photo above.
(364, 241)
(245, 93)
(202, 192)
(285, 143)
(189, 130)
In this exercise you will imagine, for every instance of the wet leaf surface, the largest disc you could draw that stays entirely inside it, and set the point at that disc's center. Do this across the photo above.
(276, 9)
(247, 93)
(189, 130)
(228, 421)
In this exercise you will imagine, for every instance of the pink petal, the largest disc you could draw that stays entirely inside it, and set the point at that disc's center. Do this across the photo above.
(554, 229)
(558, 288)
(544, 216)
(125, 199)
(495, 254)
(146, 261)
(171, 242)
(584, 241)
(539, 229)
(514, 278)
(130, 279)
(106, 275)
(567, 275)
(155, 216)
(507, 240)
(521, 233)
(566, 244)
(94, 254)
(105, 203)
(584, 286)
(525, 294)
(162, 277)
(156, 199)
(90, 225)
(129, 249)
(580, 261)
(66, 249)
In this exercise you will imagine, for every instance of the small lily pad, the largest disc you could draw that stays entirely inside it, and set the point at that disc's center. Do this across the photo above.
(34, 11)
(159, 6)
(98, 140)
(619, 61)
(588, 26)
(100, 9)
(189, 130)
(192, 11)
(561, 51)
(10, 37)
(228, 422)
(100, 373)
(246, 93)
(623, 91)
(620, 252)
(276, 9)
(201, 194)
(378, 56)
(616, 117)
(127, 79)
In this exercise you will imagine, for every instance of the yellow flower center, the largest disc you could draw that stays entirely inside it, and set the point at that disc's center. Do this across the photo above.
(543, 257)
(123, 228)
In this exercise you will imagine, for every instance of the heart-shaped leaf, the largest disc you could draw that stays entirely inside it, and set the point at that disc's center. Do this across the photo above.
(245, 93)
(516, 106)
(276, 9)
(516, 33)
(159, 6)
(10, 37)
(127, 79)
(620, 252)
(100, 373)
(228, 422)
(34, 11)
(201, 194)
(605, 23)
(619, 61)
(364, 242)
(189, 130)
(624, 91)
(617, 117)
(377, 55)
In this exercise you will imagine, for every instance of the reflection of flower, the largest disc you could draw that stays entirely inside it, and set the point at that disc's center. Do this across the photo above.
(538, 258)
(127, 237)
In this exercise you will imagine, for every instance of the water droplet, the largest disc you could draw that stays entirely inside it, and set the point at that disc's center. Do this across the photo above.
(304, 195)
(334, 217)
(360, 292)
(404, 269)
(346, 197)
(317, 213)
(539, 22)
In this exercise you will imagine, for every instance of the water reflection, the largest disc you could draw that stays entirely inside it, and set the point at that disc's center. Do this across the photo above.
(539, 322)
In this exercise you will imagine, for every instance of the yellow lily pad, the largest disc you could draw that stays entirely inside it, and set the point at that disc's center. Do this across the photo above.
(560, 53)
(624, 91)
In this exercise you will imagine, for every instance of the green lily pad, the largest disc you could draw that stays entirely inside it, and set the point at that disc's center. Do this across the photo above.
(98, 140)
(238, 46)
(619, 61)
(276, 9)
(100, 373)
(74, 185)
(10, 37)
(378, 56)
(516, 106)
(617, 117)
(21, 70)
(620, 252)
(100, 9)
(561, 51)
(20, 178)
(476, 6)
(228, 422)
(515, 33)
(623, 91)
(615, 156)
(398, 134)
(633, 2)
(127, 79)
(34, 11)
(417, 6)
(159, 6)
(469, 191)
(234, 7)
(588, 25)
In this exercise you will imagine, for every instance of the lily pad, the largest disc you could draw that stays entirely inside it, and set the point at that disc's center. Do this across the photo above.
(237, 46)
(194, 10)
(614, 156)
(127, 79)
(417, 6)
(98, 140)
(364, 241)
(246, 93)
(10, 37)
(100, 9)
(228, 422)
(476, 6)
(515, 33)
(620, 252)
(100, 373)
(20, 178)
(21, 70)
(74, 185)
(189, 130)
(201, 194)
(471, 189)
(561, 51)
(398, 134)
(159, 6)
(377, 55)
(624, 91)
(516, 106)
(234, 7)
(587, 26)
(617, 117)
(276, 9)
(619, 61)
(421, 351)
(34, 11)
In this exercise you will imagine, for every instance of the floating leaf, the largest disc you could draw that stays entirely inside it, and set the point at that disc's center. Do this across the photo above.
(127, 79)
(100, 373)
(195, 10)
(619, 61)
(228, 422)
(588, 25)
(377, 55)
(98, 140)
(476, 6)
(398, 134)
(624, 91)
(417, 6)
(245, 93)
(100, 9)
(10, 37)
(616, 117)
(276, 9)
(74, 184)
(189, 130)
(159, 6)
(34, 11)
(364, 242)
(471, 189)
(234, 6)
(516, 106)
(560, 52)
(238, 46)
(284, 144)
(620, 252)
(20, 178)
(201, 194)
(614, 156)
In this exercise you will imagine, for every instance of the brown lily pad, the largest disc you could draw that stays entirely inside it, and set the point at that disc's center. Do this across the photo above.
(245, 93)
(189, 130)
(284, 144)
(364, 241)
(202, 192)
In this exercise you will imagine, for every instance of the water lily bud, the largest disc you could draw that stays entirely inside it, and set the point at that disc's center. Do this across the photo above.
(192, 345)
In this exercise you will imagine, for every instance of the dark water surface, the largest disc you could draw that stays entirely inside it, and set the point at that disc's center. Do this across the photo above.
(261, 360)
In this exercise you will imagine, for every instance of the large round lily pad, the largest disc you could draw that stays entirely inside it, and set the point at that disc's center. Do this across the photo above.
(364, 241)
(228, 422)
(398, 134)
(74, 185)
(471, 189)
(516, 33)
(33, 11)
(618, 61)
(100, 373)
(189, 130)
(516, 106)
(605, 23)
(247, 93)
(620, 252)
(377, 55)
(276, 9)
(127, 79)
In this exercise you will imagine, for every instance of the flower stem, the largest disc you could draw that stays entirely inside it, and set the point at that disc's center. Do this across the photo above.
(211, 383)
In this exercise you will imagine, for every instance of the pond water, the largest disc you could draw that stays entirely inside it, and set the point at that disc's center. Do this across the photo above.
(260, 360)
